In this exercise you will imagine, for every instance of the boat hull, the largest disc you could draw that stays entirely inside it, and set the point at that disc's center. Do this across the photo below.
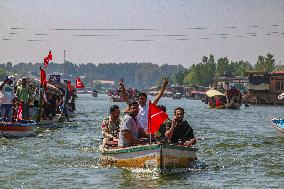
(46, 123)
(235, 106)
(17, 130)
(278, 125)
(158, 156)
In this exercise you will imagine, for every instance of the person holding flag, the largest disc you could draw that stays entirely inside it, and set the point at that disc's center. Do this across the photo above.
(160, 134)
(142, 100)
(180, 132)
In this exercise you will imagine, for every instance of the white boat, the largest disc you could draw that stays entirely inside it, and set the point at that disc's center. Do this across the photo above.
(278, 124)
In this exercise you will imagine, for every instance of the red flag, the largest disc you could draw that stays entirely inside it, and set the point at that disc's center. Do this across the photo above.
(20, 111)
(45, 61)
(156, 117)
(79, 83)
(43, 78)
(49, 55)
(69, 85)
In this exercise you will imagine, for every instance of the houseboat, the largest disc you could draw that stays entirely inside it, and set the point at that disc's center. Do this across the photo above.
(264, 88)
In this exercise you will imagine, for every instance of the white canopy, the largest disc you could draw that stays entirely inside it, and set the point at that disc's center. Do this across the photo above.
(213, 92)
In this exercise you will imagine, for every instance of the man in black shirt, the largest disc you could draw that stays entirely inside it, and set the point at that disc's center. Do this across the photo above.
(180, 131)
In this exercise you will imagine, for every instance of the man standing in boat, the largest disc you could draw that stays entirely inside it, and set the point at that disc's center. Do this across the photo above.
(6, 98)
(110, 125)
(143, 105)
(180, 131)
(24, 94)
(130, 129)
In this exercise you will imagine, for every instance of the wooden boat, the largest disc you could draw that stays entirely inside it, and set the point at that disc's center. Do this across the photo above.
(157, 156)
(234, 105)
(234, 98)
(223, 106)
(278, 124)
(22, 128)
(46, 123)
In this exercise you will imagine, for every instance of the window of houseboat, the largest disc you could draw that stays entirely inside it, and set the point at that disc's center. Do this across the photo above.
(279, 84)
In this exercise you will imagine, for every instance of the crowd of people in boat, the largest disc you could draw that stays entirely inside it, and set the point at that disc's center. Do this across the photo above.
(132, 128)
(116, 94)
(35, 101)
(231, 98)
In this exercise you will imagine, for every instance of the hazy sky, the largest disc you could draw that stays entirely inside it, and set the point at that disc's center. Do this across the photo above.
(157, 31)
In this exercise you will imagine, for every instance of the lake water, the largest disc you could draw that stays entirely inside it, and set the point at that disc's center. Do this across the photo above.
(237, 149)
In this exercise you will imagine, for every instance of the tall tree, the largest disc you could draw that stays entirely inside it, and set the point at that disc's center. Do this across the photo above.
(265, 64)
(223, 68)
(179, 77)
(240, 67)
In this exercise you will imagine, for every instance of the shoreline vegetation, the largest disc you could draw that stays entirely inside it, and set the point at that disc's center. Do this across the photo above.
(144, 75)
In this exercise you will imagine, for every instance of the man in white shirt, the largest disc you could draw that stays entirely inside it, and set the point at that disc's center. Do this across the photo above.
(6, 98)
(143, 105)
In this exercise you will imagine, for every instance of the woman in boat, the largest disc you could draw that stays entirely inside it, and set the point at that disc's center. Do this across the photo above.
(218, 102)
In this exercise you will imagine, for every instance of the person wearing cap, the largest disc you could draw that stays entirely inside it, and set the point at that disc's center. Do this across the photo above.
(110, 125)
(7, 96)
(24, 95)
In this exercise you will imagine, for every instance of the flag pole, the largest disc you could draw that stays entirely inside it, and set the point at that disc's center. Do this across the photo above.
(149, 121)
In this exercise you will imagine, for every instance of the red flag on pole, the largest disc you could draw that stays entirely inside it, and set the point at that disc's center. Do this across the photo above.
(20, 111)
(43, 78)
(45, 61)
(79, 83)
(49, 55)
(69, 85)
(156, 117)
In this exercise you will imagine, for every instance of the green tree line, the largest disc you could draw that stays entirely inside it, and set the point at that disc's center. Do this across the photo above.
(204, 72)
(138, 75)
(144, 75)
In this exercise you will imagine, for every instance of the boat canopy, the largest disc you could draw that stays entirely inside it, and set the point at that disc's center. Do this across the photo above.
(213, 92)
